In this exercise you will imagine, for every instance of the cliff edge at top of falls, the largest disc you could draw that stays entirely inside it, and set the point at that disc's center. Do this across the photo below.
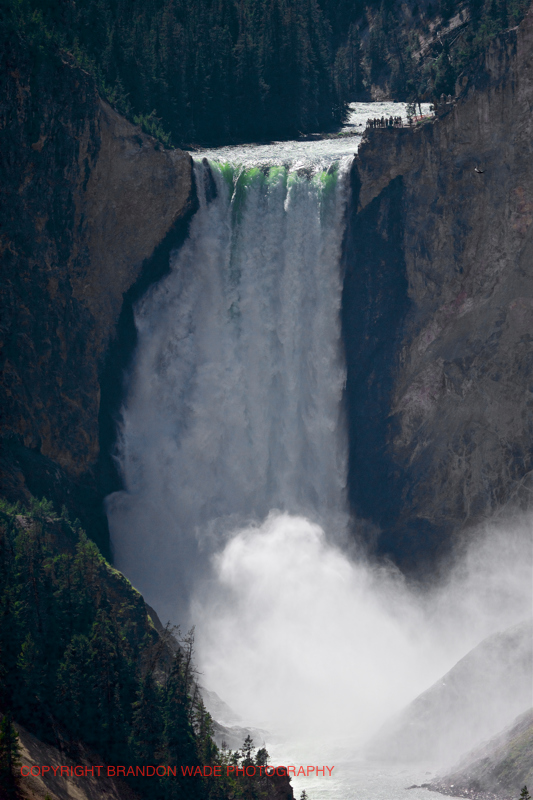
(438, 312)
(86, 198)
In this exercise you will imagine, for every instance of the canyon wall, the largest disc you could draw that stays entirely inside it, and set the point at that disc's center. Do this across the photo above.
(438, 312)
(437, 306)
(85, 199)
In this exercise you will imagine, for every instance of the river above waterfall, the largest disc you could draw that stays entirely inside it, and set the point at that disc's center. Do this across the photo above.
(314, 152)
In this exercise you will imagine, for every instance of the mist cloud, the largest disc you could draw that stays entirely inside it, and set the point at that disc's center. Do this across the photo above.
(299, 638)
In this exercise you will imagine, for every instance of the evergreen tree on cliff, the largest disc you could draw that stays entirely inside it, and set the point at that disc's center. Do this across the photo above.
(190, 70)
(9, 758)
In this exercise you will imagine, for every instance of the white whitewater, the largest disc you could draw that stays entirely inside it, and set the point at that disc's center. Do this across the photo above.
(234, 404)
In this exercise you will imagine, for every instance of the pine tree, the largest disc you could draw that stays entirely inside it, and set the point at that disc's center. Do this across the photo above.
(247, 750)
(204, 731)
(147, 722)
(75, 703)
(109, 683)
(179, 739)
(9, 757)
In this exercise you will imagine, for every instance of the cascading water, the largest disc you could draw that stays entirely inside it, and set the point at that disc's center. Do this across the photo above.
(234, 404)
(233, 454)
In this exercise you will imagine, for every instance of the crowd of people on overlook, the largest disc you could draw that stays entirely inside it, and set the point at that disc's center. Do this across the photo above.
(398, 122)
(384, 122)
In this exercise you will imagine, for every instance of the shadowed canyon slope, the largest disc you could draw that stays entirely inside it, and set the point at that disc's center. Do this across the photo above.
(438, 311)
(86, 198)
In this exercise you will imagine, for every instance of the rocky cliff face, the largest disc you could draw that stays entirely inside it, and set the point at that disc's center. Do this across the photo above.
(438, 311)
(85, 200)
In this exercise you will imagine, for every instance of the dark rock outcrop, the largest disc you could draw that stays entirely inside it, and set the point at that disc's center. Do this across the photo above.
(440, 393)
(85, 199)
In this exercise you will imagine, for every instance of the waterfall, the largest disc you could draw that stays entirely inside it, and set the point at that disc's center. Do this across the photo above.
(233, 454)
(234, 402)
